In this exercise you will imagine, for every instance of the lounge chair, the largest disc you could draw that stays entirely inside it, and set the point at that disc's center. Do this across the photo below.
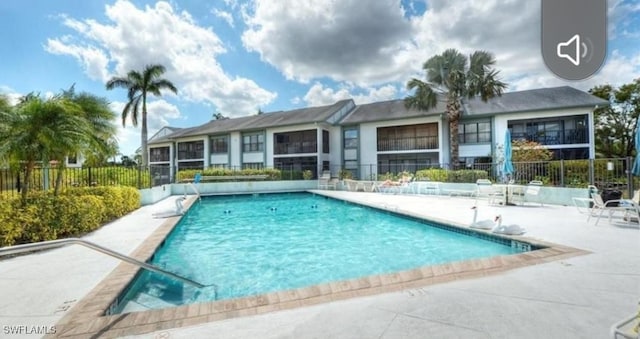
(485, 189)
(628, 208)
(532, 191)
(324, 181)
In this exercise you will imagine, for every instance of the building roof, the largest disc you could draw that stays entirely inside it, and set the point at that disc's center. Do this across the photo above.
(389, 110)
(264, 120)
(344, 113)
(532, 100)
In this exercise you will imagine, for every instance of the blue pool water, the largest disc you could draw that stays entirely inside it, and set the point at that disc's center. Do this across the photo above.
(254, 244)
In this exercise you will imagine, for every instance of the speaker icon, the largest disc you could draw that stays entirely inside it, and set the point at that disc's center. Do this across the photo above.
(571, 50)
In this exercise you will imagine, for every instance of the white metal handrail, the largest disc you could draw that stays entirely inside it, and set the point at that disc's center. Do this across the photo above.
(76, 241)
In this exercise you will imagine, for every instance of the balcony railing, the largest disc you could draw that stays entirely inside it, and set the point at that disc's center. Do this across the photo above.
(159, 158)
(568, 136)
(408, 144)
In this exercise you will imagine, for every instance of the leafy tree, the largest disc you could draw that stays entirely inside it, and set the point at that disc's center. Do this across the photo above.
(456, 77)
(127, 161)
(615, 125)
(39, 129)
(138, 85)
(219, 116)
(526, 151)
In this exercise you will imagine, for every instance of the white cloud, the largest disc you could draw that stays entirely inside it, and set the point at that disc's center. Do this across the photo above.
(11, 94)
(344, 40)
(226, 16)
(160, 114)
(93, 60)
(383, 42)
(136, 37)
(319, 95)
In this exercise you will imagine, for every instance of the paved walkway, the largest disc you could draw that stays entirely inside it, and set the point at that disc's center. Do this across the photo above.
(579, 297)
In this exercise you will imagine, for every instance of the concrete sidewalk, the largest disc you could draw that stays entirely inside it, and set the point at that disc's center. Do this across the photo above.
(38, 289)
(579, 297)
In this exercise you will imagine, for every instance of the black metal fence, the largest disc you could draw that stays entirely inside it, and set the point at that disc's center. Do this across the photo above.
(603, 173)
(44, 178)
(561, 173)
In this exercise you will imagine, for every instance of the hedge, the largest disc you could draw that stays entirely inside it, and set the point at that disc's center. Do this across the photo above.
(74, 212)
(273, 174)
(444, 175)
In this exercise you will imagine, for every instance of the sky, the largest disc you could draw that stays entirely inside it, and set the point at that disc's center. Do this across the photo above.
(236, 57)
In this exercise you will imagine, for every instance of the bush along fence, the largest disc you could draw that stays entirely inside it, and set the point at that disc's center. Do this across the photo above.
(604, 173)
(74, 212)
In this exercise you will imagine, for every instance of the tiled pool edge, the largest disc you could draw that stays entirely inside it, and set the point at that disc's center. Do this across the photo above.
(86, 319)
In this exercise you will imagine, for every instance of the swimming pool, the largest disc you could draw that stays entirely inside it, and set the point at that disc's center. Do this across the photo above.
(255, 244)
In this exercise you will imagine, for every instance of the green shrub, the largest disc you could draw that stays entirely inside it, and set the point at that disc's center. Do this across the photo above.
(444, 175)
(103, 176)
(273, 174)
(74, 212)
(433, 174)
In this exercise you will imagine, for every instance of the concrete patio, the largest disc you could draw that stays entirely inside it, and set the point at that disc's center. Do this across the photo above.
(580, 297)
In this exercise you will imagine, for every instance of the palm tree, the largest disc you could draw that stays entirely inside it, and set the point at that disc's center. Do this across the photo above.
(99, 141)
(38, 129)
(454, 76)
(138, 85)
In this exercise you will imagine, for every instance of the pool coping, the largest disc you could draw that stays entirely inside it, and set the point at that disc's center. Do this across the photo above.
(87, 319)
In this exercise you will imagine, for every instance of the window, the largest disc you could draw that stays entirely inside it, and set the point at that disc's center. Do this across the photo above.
(72, 159)
(253, 142)
(474, 133)
(159, 154)
(296, 142)
(351, 138)
(407, 137)
(325, 141)
(219, 144)
(191, 150)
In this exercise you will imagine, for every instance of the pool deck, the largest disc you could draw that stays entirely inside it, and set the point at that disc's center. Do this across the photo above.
(575, 297)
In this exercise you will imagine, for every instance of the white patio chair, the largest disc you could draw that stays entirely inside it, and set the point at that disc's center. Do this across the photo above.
(628, 208)
(324, 181)
(486, 189)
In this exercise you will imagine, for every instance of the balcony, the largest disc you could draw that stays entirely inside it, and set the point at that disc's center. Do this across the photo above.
(296, 147)
(566, 137)
(408, 144)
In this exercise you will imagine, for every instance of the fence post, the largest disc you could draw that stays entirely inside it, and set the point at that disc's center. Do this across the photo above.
(591, 172)
(629, 177)
(561, 172)
(89, 178)
(140, 176)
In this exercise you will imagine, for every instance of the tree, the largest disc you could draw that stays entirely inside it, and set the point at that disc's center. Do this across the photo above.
(615, 125)
(456, 77)
(529, 151)
(138, 85)
(127, 161)
(39, 129)
(219, 116)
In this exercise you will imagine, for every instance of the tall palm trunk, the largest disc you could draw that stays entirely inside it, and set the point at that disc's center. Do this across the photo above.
(143, 133)
(27, 178)
(453, 113)
(59, 174)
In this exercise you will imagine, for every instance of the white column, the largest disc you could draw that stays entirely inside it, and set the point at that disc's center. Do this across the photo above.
(207, 152)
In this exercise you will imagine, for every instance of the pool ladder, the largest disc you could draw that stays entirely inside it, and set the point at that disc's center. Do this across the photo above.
(75, 241)
(195, 190)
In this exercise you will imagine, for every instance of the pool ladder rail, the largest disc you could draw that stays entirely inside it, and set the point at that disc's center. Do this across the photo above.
(76, 241)
(194, 188)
